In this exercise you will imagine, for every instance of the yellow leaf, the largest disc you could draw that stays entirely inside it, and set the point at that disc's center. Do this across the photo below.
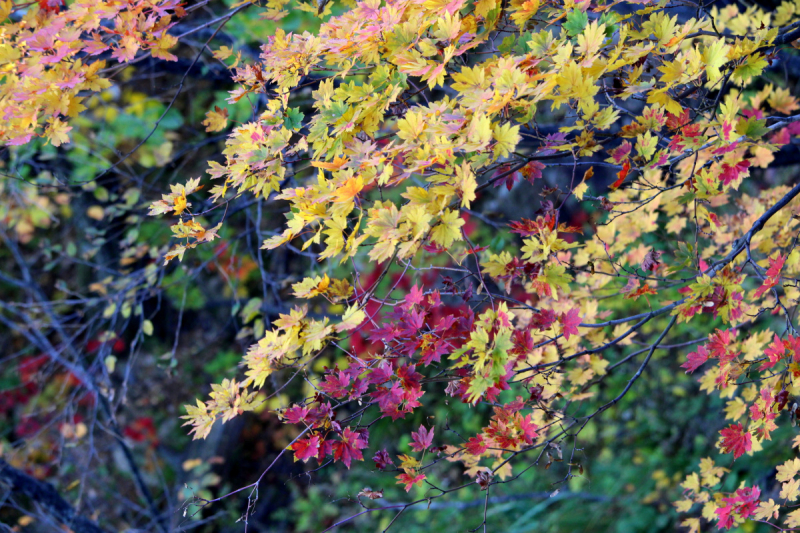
(793, 519)
(693, 524)
(788, 470)
(408, 462)
(767, 510)
(590, 41)
(180, 203)
(223, 53)
(507, 137)
(95, 212)
(790, 490)
(57, 132)
(467, 183)
(351, 319)
(448, 230)
(216, 119)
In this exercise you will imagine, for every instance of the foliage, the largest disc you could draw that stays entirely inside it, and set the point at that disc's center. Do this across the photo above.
(435, 329)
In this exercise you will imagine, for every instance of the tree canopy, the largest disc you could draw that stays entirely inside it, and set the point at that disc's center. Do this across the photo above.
(405, 257)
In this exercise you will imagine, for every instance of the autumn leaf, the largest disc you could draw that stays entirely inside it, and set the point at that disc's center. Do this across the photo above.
(695, 359)
(349, 190)
(448, 230)
(352, 318)
(336, 164)
(216, 119)
(305, 449)
(421, 440)
(621, 175)
(349, 447)
(371, 494)
(569, 322)
(736, 440)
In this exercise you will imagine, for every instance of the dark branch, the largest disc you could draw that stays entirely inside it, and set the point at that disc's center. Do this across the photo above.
(46, 497)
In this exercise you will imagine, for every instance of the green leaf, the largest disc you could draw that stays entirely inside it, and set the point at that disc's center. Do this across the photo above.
(610, 19)
(753, 128)
(683, 257)
(477, 387)
(576, 22)
(293, 119)
(753, 66)
(507, 45)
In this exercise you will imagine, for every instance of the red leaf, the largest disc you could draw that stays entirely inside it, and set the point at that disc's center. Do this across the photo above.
(621, 175)
(409, 480)
(528, 429)
(305, 449)
(570, 321)
(295, 414)
(476, 445)
(422, 439)
(773, 275)
(349, 447)
(731, 172)
(695, 359)
(775, 352)
(736, 440)
(382, 459)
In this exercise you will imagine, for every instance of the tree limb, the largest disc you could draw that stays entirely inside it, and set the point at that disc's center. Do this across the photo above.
(46, 497)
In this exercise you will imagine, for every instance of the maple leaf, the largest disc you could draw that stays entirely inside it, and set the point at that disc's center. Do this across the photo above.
(792, 520)
(736, 440)
(382, 459)
(621, 175)
(576, 22)
(448, 230)
(768, 510)
(351, 319)
(590, 41)
(788, 470)
(651, 261)
(305, 449)
(532, 171)
(790, 490)
(216, 119)
(311, 287)
(349, 447)
(57, 132)
(731, 173)
(714, 56)
(295, 414)
(407, 462)
(349, 190)
(774, 352)
(371, 494)
(476, 445)
(421, 440)
(338, 163)
(506, 137)
(409, 480)
(570, 322)
(773, 275)
(696, 359)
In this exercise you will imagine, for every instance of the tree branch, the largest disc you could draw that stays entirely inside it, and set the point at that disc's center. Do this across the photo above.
(47, 498)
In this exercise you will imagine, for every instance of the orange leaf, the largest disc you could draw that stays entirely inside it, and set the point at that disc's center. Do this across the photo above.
(349, 190)
(338, 162)
(621, 175)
